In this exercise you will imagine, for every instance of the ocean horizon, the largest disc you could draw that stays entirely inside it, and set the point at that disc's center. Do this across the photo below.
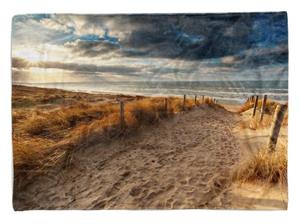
(224, 91)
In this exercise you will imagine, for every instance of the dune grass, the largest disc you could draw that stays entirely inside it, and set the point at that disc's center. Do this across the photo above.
(264, 166)
(254, 122)
(269, 108)
(48, 123)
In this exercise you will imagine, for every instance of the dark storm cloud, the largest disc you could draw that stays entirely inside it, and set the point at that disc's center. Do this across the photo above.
(205, 36)
(91, 48)
(265, 56)
(191, 36)
(255, 57)
(93, 45)
(20, 63)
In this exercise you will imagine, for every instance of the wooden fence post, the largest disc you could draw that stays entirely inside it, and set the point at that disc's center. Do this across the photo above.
(122, 117)
(255, 106)
(166, 105)
(196, 100)
(184, 99)
(203, 99)
(264, 101)
(276, 125)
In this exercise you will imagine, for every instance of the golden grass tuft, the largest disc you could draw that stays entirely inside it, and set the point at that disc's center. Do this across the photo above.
(269, 109)
(265, 166)
(67, 117)
(254, 122)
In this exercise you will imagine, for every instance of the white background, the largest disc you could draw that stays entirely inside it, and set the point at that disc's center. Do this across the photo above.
(13, 7)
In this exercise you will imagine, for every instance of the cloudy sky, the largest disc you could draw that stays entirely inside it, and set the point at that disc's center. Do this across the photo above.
(88, 48)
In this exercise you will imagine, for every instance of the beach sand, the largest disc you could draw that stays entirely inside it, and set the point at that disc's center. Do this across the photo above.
(181, 162)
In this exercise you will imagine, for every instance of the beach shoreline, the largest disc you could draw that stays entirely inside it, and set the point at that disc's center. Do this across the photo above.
(226, 93)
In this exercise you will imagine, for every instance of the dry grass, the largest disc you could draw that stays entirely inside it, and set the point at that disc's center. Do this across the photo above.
(48, 123)
(268, 167)
(265, 166)
(45, 139)
(254, 122)
(269, 108)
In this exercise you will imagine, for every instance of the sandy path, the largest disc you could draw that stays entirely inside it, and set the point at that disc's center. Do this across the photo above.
(179, 163)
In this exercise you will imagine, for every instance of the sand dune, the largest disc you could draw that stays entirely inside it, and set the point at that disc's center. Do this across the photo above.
(179, 163)
(257, 195)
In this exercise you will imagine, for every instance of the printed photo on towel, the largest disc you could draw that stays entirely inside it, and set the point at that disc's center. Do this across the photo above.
(150, 111)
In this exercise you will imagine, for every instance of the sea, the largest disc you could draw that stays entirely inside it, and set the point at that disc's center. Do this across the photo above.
(234, 92)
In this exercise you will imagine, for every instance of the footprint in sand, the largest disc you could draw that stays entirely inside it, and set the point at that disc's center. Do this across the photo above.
(135, 191)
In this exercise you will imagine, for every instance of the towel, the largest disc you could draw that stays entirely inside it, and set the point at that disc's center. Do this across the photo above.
(150, 111)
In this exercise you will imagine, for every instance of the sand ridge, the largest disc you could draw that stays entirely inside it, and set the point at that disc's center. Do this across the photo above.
(182, 162)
